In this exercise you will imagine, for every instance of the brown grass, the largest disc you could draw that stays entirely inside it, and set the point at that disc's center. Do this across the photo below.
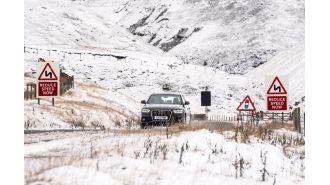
(89, 86)
(175, 129)
(265, 132)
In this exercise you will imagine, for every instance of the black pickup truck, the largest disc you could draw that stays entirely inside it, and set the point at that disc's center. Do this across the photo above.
(164, 109)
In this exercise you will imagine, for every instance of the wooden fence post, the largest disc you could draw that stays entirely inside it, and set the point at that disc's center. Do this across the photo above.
(273, 117)
(61, 86)
(27, 91)
(294, 119)
(304, 123)
(282, 119)
(299, 124)
(35, 90)
(31, 91)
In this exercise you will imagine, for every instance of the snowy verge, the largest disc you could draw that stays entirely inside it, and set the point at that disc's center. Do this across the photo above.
(184, 158)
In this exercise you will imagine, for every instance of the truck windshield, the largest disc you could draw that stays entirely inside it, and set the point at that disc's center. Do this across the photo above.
(164, 99)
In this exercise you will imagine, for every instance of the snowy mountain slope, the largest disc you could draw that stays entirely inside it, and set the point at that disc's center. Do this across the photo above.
(75, 24)
(290, 62)
(232, 35)
(138, 77)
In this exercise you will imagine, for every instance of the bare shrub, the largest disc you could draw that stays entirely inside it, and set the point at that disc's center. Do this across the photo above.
(27, 124)
(242, 164)
(147, 146)
(264, 172)
(235, 164)
(215, 150)
(119, 148)
(76, 122)
(164, 149)
(181, 154)
(136, 154)
(131, 121)
(187, 146)
(117, 122)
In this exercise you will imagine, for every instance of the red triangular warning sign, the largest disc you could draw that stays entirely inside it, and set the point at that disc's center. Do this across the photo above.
(246, 105)
(47, 73)
(276, 87)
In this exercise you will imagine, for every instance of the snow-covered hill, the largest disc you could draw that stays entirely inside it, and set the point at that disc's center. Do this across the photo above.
(76, 25)
(231, 35)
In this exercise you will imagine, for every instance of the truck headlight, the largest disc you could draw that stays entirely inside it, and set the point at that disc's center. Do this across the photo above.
(145, 110)
(178, 111)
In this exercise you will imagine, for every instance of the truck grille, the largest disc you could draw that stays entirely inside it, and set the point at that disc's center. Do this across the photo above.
(167, 113)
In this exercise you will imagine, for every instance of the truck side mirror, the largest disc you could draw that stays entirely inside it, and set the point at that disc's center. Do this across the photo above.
(143, 102)
(187, 103)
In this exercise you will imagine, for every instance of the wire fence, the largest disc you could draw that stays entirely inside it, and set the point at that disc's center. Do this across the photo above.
(66, 55)
(296, 118)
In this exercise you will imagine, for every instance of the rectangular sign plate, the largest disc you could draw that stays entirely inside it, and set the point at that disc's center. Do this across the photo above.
(277, 103)
(47, 89)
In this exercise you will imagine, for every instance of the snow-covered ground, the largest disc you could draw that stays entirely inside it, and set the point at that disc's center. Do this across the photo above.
(109, 158)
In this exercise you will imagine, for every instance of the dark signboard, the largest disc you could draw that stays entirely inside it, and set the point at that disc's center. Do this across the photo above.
(206, 98)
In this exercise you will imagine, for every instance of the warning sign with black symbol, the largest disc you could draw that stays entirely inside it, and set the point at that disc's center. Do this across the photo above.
(276, 87)
(47, 73)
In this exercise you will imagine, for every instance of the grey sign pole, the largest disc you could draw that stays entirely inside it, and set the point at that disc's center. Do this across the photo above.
(206, 107)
